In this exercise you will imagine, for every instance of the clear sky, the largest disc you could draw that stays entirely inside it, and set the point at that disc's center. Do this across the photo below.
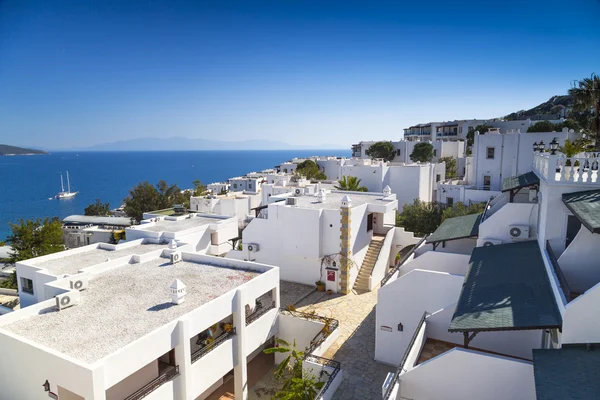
(77, 73)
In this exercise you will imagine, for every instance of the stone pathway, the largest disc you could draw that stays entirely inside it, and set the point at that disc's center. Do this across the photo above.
(355, 347)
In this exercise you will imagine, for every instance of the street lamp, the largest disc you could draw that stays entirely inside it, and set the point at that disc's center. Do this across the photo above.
(542, 146)
(535, 147)
(553, 146)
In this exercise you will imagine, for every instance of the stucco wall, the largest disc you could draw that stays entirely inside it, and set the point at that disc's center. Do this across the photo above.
(298, 329)
(580, 319)
(498, 225)
(440, 262)
(133, 382)
(579, 262)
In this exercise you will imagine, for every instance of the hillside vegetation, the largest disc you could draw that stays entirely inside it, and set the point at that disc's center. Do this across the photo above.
(551, 109)
(6, 150)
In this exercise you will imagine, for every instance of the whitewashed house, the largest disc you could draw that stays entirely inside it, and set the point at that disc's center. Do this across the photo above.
(218, 187)
(498, 322)
(174, 325)
(81, 230)
(326, 236)
(232, 204)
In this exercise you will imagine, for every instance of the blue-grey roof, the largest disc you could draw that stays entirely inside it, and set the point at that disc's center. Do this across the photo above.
(521, 181)
(571, 372)
(585, 206)
(506, 288)
(462, 227)
(97, 220)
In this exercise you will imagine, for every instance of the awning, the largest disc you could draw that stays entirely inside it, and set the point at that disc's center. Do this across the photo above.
(456, 228)
(506, 288)
(521, 181)
(97, 220)
(585, 206)
(567, 373)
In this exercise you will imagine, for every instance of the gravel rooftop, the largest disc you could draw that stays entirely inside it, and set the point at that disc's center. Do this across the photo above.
(124, 304)
(178, 226)
(334, 200)
(70, 264)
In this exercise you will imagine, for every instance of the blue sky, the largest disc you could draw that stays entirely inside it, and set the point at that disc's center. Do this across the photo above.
(77, 73)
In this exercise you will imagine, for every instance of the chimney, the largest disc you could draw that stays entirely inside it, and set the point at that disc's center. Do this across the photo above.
(172, 244)
(387, 190)
(321, 196)
(178, 292)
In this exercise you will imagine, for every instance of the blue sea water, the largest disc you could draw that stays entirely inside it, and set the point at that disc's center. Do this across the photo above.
(27, 182)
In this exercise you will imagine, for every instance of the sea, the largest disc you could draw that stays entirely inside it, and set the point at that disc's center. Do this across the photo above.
(28, 184)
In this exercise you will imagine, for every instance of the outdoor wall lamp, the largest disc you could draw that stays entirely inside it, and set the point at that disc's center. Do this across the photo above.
(542, 146)
(535, 147)
(400, 327)
(553, 146)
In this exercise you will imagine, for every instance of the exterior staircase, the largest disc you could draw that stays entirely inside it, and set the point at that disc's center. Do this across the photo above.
(362, 281)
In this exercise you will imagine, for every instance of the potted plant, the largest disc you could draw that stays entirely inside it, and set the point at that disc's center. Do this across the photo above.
(571, 149)
(320, 286)
(329, 291)
(228, 327)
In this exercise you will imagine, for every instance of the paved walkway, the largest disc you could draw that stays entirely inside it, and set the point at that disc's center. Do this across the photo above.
(355, 347)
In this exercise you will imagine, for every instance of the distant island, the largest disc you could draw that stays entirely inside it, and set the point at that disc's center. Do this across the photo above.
(6, 150)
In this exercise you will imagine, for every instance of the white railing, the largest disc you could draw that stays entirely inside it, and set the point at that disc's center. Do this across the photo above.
(558, 168)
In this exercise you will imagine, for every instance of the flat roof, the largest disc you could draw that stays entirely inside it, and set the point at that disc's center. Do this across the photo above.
(97, 220)
(506, 287)
(462, 227)
(333, 200)
(124, 304)
(567, 373)
(73, 261)
(167, 225)
(585, 206)
(520, 181)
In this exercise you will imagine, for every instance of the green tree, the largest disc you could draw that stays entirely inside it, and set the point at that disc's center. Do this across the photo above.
(422, 152)
(461, 209)
(97, 208)
(471, 134)
(383, 150)
(420, 217)
(351, 184)
(297, 384)
(543, 126)
(142, 198)
(586, 94)
(33, 238)
(450, 166)
(571, 149)
(310, 170)
(199, 188)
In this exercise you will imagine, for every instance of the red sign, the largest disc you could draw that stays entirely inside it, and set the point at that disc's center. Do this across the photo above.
(331, 276)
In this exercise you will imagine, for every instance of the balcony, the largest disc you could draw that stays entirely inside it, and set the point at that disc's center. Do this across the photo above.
(561, 169)
(259, 312)
(198, 354)
(166, 373)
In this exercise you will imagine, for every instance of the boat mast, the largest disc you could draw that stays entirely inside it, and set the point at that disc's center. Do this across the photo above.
(62, 185)
(68, 183)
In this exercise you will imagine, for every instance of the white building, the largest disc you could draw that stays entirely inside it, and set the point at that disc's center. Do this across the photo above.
(404, 148)
(156, 326)
(81, 230)
(480, 324)
(250, 182)
(326, 237)
(218, 187)
(238, 204)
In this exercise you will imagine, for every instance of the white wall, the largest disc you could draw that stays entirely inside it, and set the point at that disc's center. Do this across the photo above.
(301, 330)
(440, 262)
(498, 225)
(133, 382)
(463, 374)
(579, 262)
(580, 319)
(404, 301)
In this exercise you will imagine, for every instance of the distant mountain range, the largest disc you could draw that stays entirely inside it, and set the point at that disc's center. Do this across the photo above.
(183, 143)
(6, 150)
(554, 108)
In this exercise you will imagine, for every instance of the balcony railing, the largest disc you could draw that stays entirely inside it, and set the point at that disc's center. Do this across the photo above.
(168, 374)
(326, 364)
(558, 168)
(564, 286)
(396, 377)
(330, 326)
(396, 268)
(260, 311)
(198, 354)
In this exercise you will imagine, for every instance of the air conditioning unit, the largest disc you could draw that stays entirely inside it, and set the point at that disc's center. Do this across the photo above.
(175, 257)
(67, 300)
(79, 284)
(291, 201)
(519, 231)
(252, 247)
(298, 192)
(491, 242)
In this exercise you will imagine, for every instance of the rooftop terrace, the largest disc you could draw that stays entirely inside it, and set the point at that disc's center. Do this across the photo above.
(333, 200)
(165, 225)
(73, 261)
(125, 303)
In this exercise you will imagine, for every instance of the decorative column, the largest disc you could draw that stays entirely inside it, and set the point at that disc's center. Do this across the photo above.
(345, 245)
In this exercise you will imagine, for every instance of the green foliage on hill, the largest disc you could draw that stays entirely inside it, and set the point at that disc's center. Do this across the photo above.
(551, 109)
(145, 197)
(10, 150)
(97, 208)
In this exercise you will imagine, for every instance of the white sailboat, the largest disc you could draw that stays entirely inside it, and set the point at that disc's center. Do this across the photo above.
(68, 194)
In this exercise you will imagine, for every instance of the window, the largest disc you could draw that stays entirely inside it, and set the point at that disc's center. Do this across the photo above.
(434, 152)
(460, 129)
(450, 201)
(235, 185)
(398, 152)
(369, 222)
(27, 285)
(249, 186)
(438, 177)
(490, 153)
(487, 182)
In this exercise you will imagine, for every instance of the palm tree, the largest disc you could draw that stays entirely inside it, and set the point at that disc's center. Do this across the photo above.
(586, 94)
(351, 184)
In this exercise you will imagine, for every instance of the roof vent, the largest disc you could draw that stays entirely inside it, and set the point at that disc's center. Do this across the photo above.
(321, 196)
(178, 292)
(387, 190)
(172, 244)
